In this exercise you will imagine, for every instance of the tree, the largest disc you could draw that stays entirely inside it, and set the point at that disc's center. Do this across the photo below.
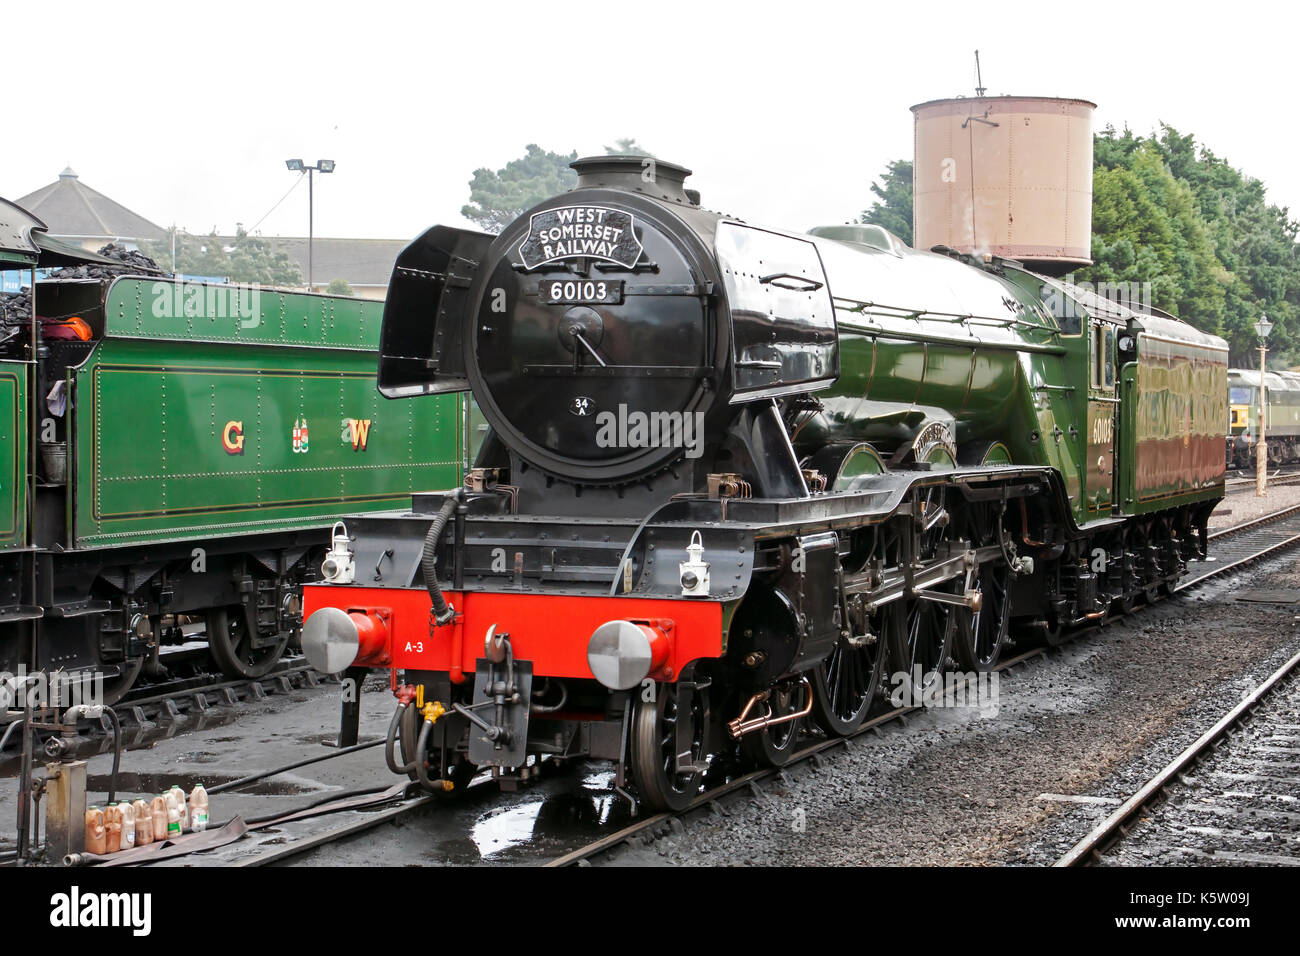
(1147, 228)
(893, 208)
(1170, 213)
(242, 259)
(628, 146)
(339, 287)
(498, 197)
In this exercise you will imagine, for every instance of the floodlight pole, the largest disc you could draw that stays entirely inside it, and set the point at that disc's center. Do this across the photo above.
(298, 166)
(311, 212)
(1262, 328)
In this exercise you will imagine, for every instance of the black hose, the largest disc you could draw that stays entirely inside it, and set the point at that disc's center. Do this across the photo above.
(535, 708)
(330, 797)
(429, 559)
(4, 741)
(392, 739)
(421, 765)
(251, 778)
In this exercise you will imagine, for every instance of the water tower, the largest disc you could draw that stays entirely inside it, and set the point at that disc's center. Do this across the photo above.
(1009, 176)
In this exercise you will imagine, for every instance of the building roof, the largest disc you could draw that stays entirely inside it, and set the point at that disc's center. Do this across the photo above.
(362, 262)
(71, 208)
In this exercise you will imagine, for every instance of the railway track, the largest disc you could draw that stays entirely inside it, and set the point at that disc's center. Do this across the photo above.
(148, 706)
(1242, 481)
(1242, 766)
(1232, 549)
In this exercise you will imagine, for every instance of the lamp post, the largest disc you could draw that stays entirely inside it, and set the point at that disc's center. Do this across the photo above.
(298, 166)
(1262, 328)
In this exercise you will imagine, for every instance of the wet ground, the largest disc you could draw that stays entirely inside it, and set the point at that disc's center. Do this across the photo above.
(1075, 733)
(226, 744)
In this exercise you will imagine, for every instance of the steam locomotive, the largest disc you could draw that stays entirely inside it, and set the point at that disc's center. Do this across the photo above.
(735, 475)
(171, 456)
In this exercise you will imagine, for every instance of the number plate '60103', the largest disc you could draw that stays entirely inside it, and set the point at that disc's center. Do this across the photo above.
(581, 291)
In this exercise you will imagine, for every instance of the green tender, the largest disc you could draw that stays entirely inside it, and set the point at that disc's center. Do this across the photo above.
(188, 417)
(13, 455)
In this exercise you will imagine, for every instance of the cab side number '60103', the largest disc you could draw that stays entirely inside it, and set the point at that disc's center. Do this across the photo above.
(1103, 429)
(582, 292)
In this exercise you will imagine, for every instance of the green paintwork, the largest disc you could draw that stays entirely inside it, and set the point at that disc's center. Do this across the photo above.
(163, 310)
(1178, 427)
(1126, 487)
(941, 459)
(154, 400)
(996, 455)
(1011, 357)
(13, 455)
(862, 461)
(985, 390)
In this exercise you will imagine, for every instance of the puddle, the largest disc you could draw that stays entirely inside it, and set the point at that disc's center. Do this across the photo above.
(600, 780)
(198, 756)
(505, 829)
(557, 819)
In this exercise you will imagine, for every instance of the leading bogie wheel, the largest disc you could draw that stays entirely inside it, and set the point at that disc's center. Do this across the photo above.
(775, 744)
(670, 745)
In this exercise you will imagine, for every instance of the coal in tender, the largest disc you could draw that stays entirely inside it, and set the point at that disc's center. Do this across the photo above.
(133, 262)
(16, 307)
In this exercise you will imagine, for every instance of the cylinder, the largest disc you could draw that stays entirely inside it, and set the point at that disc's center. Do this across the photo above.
(1008, 176)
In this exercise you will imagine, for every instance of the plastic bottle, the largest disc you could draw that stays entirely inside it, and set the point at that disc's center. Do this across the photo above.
(170, 794)
(96, 839)
(173, 822)
(158, 811)
(199, 808)
(143, 823)
(112, 828)
(181, 805)
(128, 824)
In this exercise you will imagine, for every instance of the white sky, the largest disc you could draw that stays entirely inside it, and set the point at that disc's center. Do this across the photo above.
(786, 111)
